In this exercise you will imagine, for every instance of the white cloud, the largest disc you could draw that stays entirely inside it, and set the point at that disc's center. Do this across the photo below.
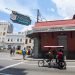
(5, 4)
(14, 5)
(50, 9)
(65, 8)
(26, 28)
(23, 9)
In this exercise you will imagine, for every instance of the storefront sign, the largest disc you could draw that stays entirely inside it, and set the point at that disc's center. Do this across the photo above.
(54, 29)
(19, 18)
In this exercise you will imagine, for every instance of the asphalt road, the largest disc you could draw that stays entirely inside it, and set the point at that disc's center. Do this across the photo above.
(26, 67)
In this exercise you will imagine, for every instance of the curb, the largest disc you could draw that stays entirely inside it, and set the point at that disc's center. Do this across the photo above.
(70, 60)
(32, 59)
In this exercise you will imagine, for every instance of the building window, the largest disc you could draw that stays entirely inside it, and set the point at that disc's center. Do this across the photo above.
(2, 39)
(3, 33)
(11, 40)
(26, 41)
(4, 28)
(9, 47)
(28, 47)
(0, 33)
(18, 40)
(29, 40)
(8, 39)
(18, 47)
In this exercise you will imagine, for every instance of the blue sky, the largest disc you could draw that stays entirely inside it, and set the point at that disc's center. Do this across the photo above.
(49, 9)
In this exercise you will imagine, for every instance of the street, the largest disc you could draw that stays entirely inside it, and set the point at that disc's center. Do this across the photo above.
(15, 65)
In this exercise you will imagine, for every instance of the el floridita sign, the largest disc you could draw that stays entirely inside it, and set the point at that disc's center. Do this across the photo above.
(20, 19)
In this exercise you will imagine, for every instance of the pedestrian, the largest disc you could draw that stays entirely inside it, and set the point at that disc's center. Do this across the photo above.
(13, 50)
(24, 53)
(60, 57)
(50, 58)
(55, 55)
(10, 51)
(31, 52)
(28, 51)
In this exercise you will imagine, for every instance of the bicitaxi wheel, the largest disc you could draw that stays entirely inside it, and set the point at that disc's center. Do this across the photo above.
(41, 63)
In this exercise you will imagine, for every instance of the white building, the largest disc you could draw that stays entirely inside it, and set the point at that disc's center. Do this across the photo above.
(17, 40)
(5, 27)
(14, 40)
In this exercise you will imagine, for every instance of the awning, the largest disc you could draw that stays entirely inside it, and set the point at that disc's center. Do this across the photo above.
(54, 46)
(53, 26)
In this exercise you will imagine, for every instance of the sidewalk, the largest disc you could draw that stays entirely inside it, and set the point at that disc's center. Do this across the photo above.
(7, 56)
(34, 59)
(20, 57)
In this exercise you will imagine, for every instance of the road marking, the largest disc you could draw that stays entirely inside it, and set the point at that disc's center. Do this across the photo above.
(26, 64)
(10, 66)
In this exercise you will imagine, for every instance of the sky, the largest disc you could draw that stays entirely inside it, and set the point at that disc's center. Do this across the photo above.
(49, 10)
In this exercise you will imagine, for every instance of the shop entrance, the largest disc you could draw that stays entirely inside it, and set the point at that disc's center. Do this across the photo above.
(62, 40)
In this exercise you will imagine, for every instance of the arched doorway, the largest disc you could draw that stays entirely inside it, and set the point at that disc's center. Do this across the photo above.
(18, 47)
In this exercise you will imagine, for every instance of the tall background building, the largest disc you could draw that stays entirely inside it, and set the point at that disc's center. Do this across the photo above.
(5, 27)
(9, 39)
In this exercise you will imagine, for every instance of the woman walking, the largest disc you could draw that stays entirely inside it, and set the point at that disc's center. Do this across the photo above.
(24, 53)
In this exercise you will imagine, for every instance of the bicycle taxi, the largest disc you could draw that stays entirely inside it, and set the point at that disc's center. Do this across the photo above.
(51, 62)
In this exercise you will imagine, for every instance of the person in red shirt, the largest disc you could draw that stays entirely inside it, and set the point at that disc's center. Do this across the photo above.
(60, 57)
(50, 56)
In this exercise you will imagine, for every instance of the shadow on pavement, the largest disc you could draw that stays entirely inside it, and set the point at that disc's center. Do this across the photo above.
(13, 71)
(1, 67)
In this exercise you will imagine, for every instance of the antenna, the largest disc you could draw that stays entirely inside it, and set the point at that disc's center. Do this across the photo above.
(39, 16)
